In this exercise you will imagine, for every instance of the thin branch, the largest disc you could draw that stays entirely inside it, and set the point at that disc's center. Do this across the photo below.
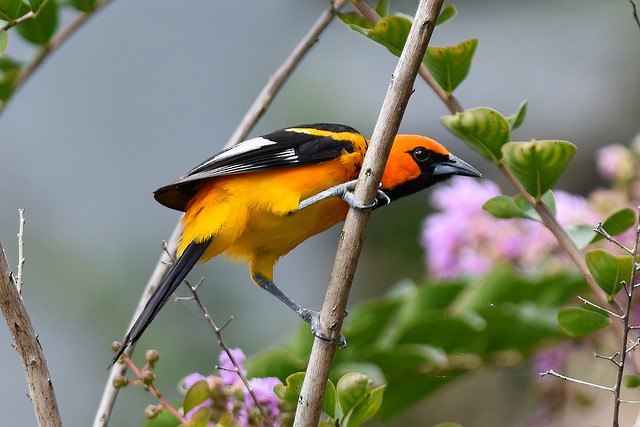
(260, 104)
(350, 244)
(218, 332)
(600, 230)
(589, 303)
(53, 44)
(553, 373)
(153, 389)
(14, 22)
(28, 347)
(21, 259)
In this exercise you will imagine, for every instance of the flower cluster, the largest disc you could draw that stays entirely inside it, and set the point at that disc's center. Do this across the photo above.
(462, 239)
(228, 398)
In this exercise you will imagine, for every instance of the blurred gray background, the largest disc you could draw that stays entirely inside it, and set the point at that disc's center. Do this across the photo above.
(148, 89)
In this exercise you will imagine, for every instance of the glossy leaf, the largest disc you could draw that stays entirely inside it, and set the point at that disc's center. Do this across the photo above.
(579, 322)
(367, 408)
(516, 119)
(36, 4)
(450, 65)
(382, 7)
(12, 9)
(581, 234)
(537, 165)
(618, 223)
(4, 40)
(484, 129)
(609, 270)
(40, 29)
(356, 22)
(448, 11)
(197, 393)
(352, 388)
(391, 32)
(505, 207)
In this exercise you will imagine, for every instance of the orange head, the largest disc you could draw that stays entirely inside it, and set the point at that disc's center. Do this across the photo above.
(417, 162)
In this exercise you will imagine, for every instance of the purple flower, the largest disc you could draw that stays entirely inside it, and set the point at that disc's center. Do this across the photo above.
(615, 162)
(464, 240)
(228, 371)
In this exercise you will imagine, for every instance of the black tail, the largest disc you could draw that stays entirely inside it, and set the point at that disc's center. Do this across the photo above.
(171, 281)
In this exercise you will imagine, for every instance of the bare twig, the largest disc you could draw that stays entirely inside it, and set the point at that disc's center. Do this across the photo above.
(153, 389)
(575, 380)
(218, 332)
(28, 346)
(264, 98)
(600, 230)
(624, 346)
(21, 259)
(14, 22)
(589, 303)
(350, 244)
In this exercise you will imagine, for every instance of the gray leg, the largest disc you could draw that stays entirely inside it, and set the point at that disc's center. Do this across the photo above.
(309, 316)
(345, 192)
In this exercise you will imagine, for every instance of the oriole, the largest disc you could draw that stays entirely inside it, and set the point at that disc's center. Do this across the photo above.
(257, 200)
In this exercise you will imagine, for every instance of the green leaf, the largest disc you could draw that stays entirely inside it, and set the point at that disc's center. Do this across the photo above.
(12, 9)
(366, 409)
(581, 234)
(391, 32)
(505, 207)
(448, 11)
(356, 22)
(4, 40)
(9, 72)
(382, 7)
(516, 119)
(484, 129)
(537, 165)
(86, 6)
(632, 381)
(329, 400)
(40, 29)
(579, 322)
(450, 65)
(617, 223)
(352, 389)
(36, 4)
(197, 393)
(609, 270)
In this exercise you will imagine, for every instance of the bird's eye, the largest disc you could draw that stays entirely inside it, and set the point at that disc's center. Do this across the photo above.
(421, 154)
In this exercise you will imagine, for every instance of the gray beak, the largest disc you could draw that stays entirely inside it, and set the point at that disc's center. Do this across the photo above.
(456, 166)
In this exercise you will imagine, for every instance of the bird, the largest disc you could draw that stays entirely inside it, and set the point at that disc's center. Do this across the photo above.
(256, 201)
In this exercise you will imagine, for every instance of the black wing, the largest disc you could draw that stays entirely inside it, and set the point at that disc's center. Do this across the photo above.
(294, 146)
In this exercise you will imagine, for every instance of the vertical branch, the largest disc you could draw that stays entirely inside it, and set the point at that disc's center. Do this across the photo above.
(28, 347)
(352, 237)
(626, 319)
